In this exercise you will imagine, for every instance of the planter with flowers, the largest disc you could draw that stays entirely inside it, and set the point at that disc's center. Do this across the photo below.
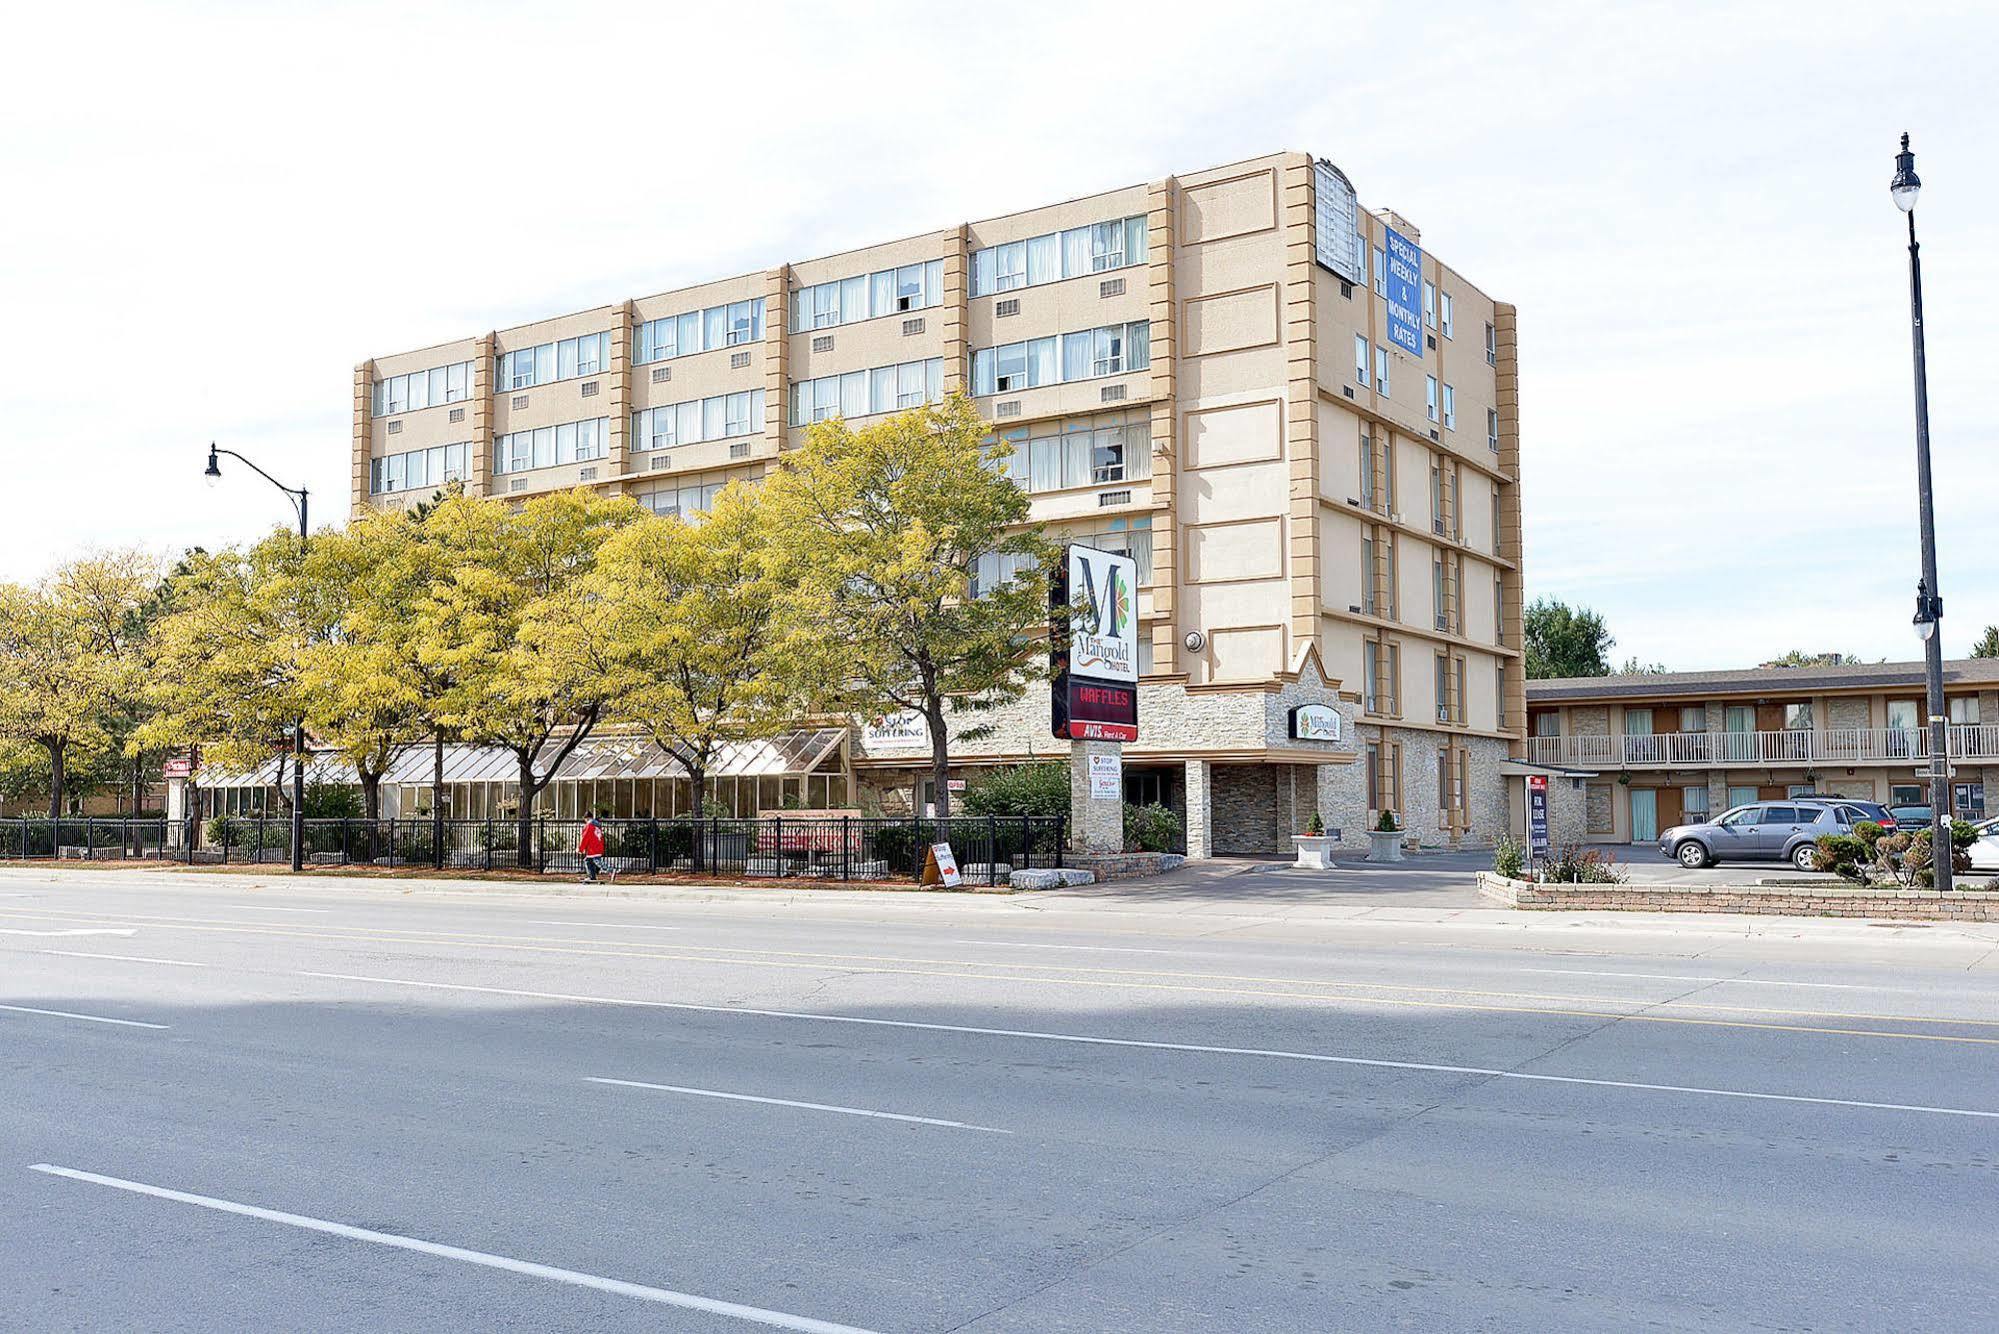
(1315, 846)
(1384, 841)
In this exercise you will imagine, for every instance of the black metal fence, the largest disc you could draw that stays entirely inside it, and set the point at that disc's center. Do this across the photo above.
(986, 847)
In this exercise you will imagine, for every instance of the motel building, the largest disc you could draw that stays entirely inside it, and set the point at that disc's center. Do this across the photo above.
(1651, 751)
(1298, 422)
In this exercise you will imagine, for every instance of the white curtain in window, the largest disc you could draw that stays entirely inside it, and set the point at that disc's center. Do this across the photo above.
(1041, 362)
(1044, 258)
(1076, 356)
(854, 394)
(1075, 252)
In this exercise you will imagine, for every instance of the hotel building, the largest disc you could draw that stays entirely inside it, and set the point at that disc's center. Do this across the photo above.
(1298, 420)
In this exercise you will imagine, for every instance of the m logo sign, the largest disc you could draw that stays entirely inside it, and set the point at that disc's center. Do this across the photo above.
(1104, 628)
(1093, 646)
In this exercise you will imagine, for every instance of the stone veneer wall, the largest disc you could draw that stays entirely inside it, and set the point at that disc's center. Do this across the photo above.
(1846, 711)
(1343, 789)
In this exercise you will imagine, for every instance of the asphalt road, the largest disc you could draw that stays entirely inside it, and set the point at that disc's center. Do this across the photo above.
(229, 1103)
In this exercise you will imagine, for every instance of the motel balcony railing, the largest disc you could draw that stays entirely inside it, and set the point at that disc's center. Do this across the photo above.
(1831, 745)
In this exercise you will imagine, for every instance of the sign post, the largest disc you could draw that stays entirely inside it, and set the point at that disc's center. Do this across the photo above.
(1093, 685)
(1537, 816)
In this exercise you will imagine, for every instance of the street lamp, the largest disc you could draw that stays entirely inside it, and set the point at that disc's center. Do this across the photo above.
(212, 474)
(1929, 604)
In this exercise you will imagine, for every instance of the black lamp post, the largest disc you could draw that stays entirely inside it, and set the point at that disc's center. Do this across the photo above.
(213, 474)
(1929, 604)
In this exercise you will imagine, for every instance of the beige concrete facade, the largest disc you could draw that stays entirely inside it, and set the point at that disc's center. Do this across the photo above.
(1281, 504)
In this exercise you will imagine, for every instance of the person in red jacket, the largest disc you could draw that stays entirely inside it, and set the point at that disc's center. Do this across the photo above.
(591, 845)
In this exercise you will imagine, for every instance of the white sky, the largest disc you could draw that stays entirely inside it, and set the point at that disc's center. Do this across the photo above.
(212, 212)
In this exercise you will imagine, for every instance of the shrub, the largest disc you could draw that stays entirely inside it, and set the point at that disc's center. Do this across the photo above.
(1150, 828)
(1575, 865)
(332, 801)
(1509, 858)
(1386, 824)
(1021, 789)
(1316, 826)
(1844, 854)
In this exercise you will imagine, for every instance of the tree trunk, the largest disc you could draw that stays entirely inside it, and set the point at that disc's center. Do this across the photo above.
(437, 803)
(371, 797)
(56, 751)
(940, 755)
(697, 779)
(529, 790)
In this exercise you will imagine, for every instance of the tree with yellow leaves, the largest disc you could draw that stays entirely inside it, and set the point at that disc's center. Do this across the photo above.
(69, 658)
(689, 621)
(885, 529)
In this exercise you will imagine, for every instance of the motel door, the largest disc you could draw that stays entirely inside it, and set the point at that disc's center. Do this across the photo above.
(1672, 807)
(1644, 815)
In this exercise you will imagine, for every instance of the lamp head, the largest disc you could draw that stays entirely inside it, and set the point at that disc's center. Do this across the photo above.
(213, 473)
(1904, 187)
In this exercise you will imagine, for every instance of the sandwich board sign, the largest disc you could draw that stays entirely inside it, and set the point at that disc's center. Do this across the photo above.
(1093, 646)
(941, 867)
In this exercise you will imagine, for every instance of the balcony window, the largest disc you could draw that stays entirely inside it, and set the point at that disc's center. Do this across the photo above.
(1798, 717)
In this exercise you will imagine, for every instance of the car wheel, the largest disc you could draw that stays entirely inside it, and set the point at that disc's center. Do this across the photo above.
(1803, 857)
(1692, 855)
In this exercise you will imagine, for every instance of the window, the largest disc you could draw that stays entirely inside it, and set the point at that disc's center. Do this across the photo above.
(1693, 802)
(1366, 471)
(418, 469)
(1438, 580)
(1094, 248)
(1495, 518)
(1963, 710)
(1126, 537)
(1444, 779)
(1360, 359)
(1798, 717)
(682, 335)
(1450, 408)
(1430, 397)
(551, 446)
(1367, 575)
(1436, 498)
(1380, 271)
(908, 384)
(1741, 796)
(1499, 695)
(1381, 371)
(1491, 346)
(423, 389)
(1499, 610)
(1693, 718)
(1085, 355)
(1444, 300)
(1443, 666)
(716, 418)
(866, 296)
(1492, 429)
(1373, 776)
(545, 363)
(694, 495)
(1430, 305)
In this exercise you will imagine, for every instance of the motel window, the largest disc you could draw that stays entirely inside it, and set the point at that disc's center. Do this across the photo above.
(1492, 429)
(1693, 802)
(1443, 667)
(1499, 695)
(1360, 359)
(550, 446)
(1366, 471)
(909, 384)
(1381, 371)
(865, 296)
(714, 418)
(1380, 271)
(1491, 346)
(1373, 776)
(1444, 300)
(1430, 304)
(1798, 717)
(1964, 710)
(1367, 597)
(1450, 408)
(545, 363)
(1443, 778)
(1084, 355)
(1430, 397)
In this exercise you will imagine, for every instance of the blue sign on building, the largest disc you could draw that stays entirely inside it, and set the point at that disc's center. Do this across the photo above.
(1405, 291)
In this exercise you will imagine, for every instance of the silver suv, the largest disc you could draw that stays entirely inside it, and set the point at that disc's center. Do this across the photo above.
(1776, 831)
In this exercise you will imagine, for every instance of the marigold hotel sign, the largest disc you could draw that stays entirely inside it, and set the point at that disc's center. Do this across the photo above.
(1093, 646)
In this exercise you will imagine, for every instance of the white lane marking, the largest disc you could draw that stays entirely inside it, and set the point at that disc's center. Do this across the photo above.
(623, 926)
(787, 1102)
(1738, 981)
(1037, 945)
(258, 907)
(1092, 1040)
(664, 1296)
(87, 1018)
(125, 958)
(76, 931)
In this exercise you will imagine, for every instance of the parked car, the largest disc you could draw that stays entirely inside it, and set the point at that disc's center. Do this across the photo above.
(1917, 817)
(1853, 810)
(1778, 831)
(1985, 852)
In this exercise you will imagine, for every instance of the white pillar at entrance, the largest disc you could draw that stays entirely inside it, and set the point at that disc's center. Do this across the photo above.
(1096, 824)
(1200, 810)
